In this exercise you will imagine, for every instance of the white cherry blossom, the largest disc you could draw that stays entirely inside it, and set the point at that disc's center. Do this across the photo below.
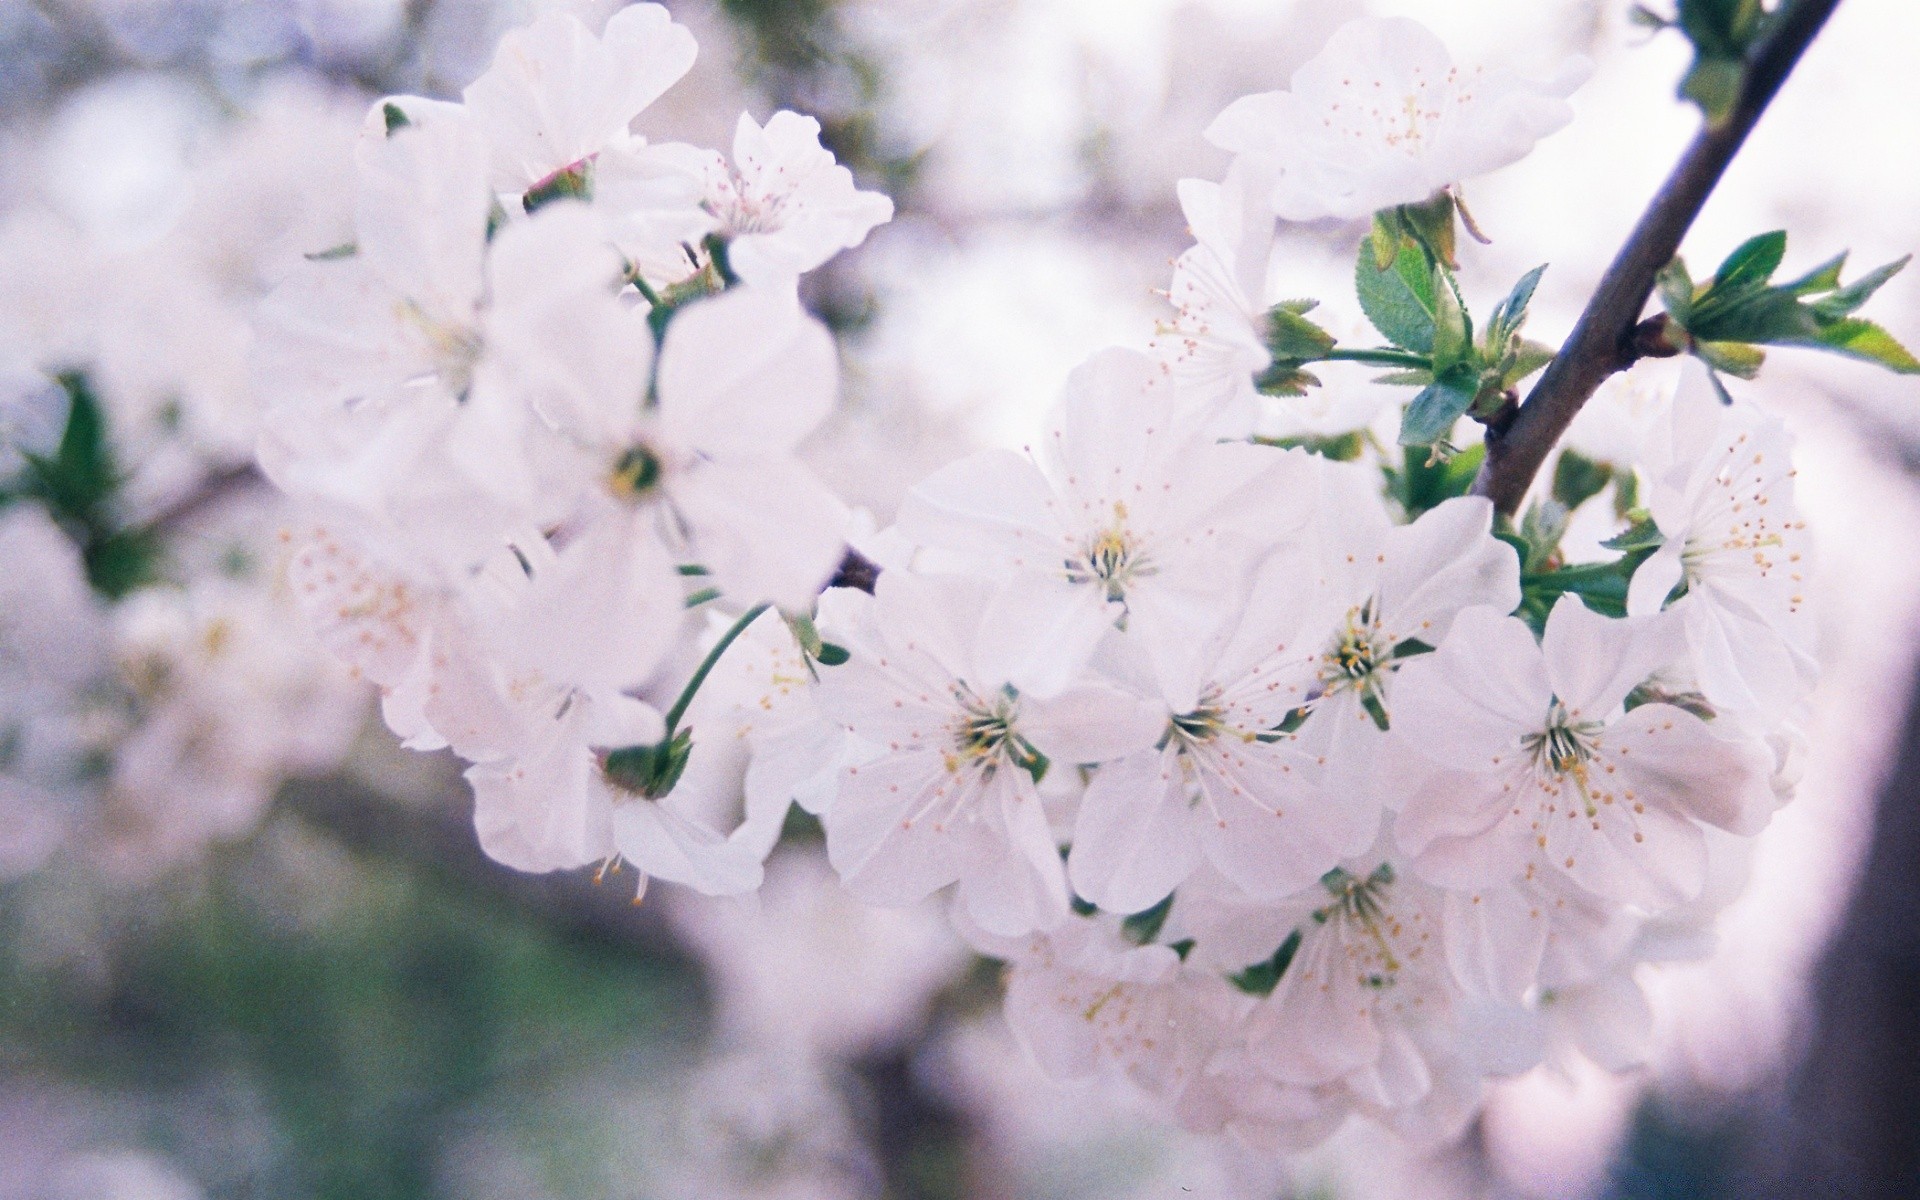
(1086, 1002)
(1542, 771)
(1720, 489)
(1345, 617)
(556, 94)
(1369, 1004)
(1214, 347)
(1127, 513)
(940, 785)
(1382, 116)
(783, 204)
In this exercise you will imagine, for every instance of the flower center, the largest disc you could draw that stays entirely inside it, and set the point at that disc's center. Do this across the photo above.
(635, 473)
(984, 735)
(1359, 651)
(1112, 558)
(744, 209)
(1565, 746)
(1362, 906)
(454, 348)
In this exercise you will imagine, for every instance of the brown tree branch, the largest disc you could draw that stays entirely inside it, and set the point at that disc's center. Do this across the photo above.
(1603, 340)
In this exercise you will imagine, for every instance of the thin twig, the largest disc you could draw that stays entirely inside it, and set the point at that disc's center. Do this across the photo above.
(1602, 342)
(212, 491)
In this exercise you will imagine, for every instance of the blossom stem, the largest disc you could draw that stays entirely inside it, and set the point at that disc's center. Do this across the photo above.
(1379, 358)
(700, 673)
(1602, 341)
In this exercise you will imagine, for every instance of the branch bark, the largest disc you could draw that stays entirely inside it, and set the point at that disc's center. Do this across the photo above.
(1602, 341)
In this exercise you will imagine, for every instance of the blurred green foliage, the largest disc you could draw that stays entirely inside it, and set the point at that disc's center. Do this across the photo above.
(370, 1022)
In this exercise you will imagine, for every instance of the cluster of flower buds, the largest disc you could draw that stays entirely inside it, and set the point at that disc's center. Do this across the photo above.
(1291, 781)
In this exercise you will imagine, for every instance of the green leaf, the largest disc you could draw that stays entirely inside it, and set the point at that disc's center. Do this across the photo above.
(1863, 339)
(1651, 693)
(1714, 84)
(1643, 534)
(1676, 291)
(1735, 358)
(1385, 238)
(1603, 586)
(1823, 278)
(1452, 332)
(1291, 336)
(1434, 412)
(395, 117)
(1578, 479)
(1262, 977)
(1398, 299)
(1528, 357)
(1845, 300)
(333, 253)
(1420, 483)
(1344, 447)
(1432, 224)
(79, 477)
(1541, 529)
(1511, 313)
(1646, 18)
(1752, 262)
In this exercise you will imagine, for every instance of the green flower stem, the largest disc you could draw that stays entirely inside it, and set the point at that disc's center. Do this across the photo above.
(1379, 358)
(679, 708)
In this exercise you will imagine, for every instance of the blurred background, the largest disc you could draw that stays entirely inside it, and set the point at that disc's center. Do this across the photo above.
(257, 953)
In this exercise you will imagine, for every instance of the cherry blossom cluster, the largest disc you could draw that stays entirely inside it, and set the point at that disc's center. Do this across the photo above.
(1289, 780)
(1357, 813)
(541, 411)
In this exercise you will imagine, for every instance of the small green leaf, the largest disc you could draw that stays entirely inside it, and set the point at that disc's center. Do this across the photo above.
(649, 771)
(1692, 702)
(1643, 534)
(1432, 224)
(1344, 447)
(1752, 262)
(1399, 299)
(1646, 18)
(1291, 336)
(1434, 412)
(1385, 238)
(1511, 313)
(395, 117)
(1863, 339)
(1823, 278)
(1544, 524)
(1844, 301)
(1527, 357)
(832, 655)
(1578, 479)
(1676, 291)
(1421, 484)
(1714, 84)
(333, 253)
(1735, 358)
(1452, 333)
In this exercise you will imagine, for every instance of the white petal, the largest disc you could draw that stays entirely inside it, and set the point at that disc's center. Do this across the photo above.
(746, 373)
(1133, 842)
